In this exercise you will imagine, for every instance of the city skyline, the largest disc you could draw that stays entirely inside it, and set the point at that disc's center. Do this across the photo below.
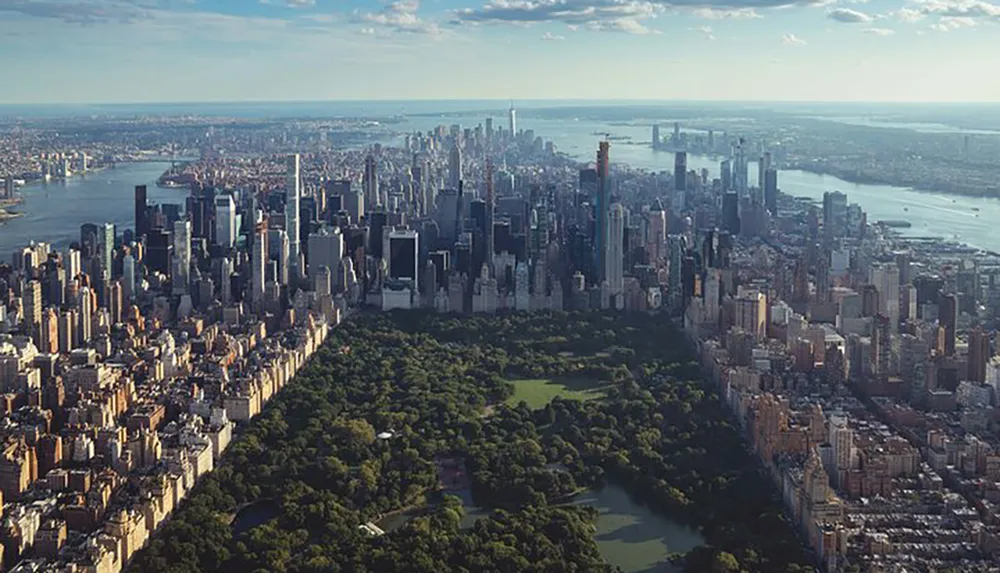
(97, 51)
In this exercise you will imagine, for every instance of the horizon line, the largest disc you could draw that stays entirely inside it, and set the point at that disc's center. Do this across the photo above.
(496, 100)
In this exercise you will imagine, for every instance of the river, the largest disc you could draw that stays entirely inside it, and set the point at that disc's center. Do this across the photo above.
(54, 211)
(931, 214)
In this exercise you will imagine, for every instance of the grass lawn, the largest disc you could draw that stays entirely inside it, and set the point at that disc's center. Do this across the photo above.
(538, 392)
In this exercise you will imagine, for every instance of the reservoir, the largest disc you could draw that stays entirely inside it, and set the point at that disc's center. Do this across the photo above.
(53, 212)
(632, 536)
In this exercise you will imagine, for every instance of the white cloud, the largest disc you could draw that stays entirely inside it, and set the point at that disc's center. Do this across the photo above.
(606, 15)
(908, 15)
(550, 37)
(726, 13)
(792, 40)
(879, 31)
(400, 16)
(848, 16)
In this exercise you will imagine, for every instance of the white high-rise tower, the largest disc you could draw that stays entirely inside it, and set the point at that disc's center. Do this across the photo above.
(513, 120)
(292, 196)
(181, 277)
(225, 221)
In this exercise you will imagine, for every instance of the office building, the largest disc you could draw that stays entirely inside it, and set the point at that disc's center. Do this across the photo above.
(455, 166)
(771, 190)
(656, 232)
(141, 212)
(181, 276)
(401, 254)
(326, 248)
(731, 213)
(225, 221)
(31, 304)
(85, 307)
(106, 246)
(369, 183)
(948, 319)
(762, 167)
(680, 171)
(979, 355)
(834, 214)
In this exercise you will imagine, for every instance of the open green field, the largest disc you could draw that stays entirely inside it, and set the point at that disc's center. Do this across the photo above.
(537, 392)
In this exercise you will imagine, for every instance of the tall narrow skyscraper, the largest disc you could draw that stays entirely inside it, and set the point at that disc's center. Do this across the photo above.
(293, 194)
(616, 253)
(762, 166)
(370, 183)
(490, 206)
(455, 166)
(106, 246)
(680, 171)
(258, 263)
(181, 276)
(601, 203)
(513, 120)
(141, 221)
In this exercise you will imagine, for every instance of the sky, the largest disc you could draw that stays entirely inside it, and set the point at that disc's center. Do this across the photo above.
(107, 51)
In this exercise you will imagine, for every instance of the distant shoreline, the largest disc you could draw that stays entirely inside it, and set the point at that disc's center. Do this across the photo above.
(863, 179)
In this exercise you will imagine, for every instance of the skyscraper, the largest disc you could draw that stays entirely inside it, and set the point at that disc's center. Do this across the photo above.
(948, 317)
(726, 175)
(680, 171)
(181, 277)
(513, 120)
(128, 277)
(601, 203)
(225, 221)
(31, 303)
(762, 166)
(258, 263)
(656, 136)
(49, 335)
(401, 253)
(293, 194)
(455, 166)
(731, 213)
(141, 220)
(106, 246)
(834, 213)
(656, 232)
(771, 190)
(616, 252)
(86, 310)
(369, 183)
(979, 355)
(490, 208)
(326, 248)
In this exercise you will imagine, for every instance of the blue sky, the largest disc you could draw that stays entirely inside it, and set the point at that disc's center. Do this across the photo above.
(91, 51)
